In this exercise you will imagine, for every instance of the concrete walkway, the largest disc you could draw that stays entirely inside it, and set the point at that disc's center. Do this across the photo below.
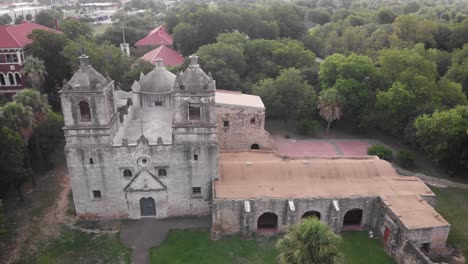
(141, 235)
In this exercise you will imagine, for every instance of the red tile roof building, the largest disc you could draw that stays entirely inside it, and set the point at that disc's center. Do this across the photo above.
(13, 49)
(157, 37)
(168, 55)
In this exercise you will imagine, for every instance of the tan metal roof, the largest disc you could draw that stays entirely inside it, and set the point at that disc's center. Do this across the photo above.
(250, 175)
(224, 97)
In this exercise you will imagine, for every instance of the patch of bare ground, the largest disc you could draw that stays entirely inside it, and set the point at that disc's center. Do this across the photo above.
(37, 220)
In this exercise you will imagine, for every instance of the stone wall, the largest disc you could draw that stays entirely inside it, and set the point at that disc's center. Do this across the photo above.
(105, 175)
(413, 255)
(245, 128)
(230, 216)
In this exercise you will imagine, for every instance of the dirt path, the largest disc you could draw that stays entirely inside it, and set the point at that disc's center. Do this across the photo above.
(33, 231)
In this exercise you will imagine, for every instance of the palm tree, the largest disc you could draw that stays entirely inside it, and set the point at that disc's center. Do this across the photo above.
(38, 103)
(35, 70)
(309, 242)
(17, 117)
(329, 103)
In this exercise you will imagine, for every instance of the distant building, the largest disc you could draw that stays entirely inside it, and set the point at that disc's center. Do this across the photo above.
(14, 43)
(168, 55)
(157, 37)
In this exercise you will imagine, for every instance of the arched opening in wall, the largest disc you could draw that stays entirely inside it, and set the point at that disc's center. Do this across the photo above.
(311, 214)
(2, 79)
(352, 218)
(252, 121)
(85, 112)
(11, 78)
(18, 78)
(147, 207)
(267, 222)
(127, 173)
(255, 146)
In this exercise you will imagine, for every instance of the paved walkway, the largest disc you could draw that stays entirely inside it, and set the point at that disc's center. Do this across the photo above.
(141, 235)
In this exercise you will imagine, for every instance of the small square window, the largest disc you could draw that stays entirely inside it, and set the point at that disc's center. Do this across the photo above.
(91, 161)
(158, 103)
(194, 112)
(97, 194)
(226, 123)
(162, 172)
(195, 157)
(196, 190)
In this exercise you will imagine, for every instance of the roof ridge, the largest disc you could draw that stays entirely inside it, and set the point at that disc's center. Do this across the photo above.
(11, 35)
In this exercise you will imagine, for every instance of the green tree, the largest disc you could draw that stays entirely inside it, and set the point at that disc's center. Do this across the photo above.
(309, 242)
(19, 19)
(12, 169)
(384, 16)
(105, 58)
(140, 66)
(396, 107)
(225, 62)
(443, 135)
(5, 19)
(73, 29)
(35, 71)
(47, 17)
(29, 17)
(185, 37)
(290, 21)
(458, 72)
(17, 117)
(48, 46)
(414, 29)
(288, 96)
(329, 103)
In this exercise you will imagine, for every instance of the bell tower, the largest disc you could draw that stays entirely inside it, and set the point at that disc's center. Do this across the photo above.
(88, 106)
(195, 109)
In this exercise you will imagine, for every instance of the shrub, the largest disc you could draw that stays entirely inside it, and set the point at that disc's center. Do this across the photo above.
(381, 151)
(307, 127)
(405, 159)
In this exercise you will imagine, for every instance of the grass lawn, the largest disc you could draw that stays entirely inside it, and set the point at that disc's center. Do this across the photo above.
(100, 29)
(452, 204)
(76, 247)
(359, 249)
(194, 246)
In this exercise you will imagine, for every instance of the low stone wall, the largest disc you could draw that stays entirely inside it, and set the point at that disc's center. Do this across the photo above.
(411, 254)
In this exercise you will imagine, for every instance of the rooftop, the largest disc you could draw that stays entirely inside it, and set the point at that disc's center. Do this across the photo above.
(168, 55)
(155, 123)
(225, 97)
(16, 36)
(250, 175)
(158, 36)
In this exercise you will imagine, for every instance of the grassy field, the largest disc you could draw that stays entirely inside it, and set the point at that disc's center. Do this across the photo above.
(452, 204)
(76, 247)
(195, 246)
(359, 249)
(100, 29)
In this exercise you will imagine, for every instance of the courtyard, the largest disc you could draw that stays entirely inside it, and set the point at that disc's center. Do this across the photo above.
(195, 246)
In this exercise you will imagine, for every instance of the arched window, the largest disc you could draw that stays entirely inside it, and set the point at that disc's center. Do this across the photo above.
(162, 172)
(2, 79)
(85, 112)
(18, 78)
(267, 222)
(255, 146)
(11, 78)
(311, 214)
(252, 121)
(127, 173)
(353, 217)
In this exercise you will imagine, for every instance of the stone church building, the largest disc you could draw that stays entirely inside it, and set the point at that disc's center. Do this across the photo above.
(176, 146)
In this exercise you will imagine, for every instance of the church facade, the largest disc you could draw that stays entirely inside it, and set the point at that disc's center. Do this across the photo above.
(151, 152)
(175, 146)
